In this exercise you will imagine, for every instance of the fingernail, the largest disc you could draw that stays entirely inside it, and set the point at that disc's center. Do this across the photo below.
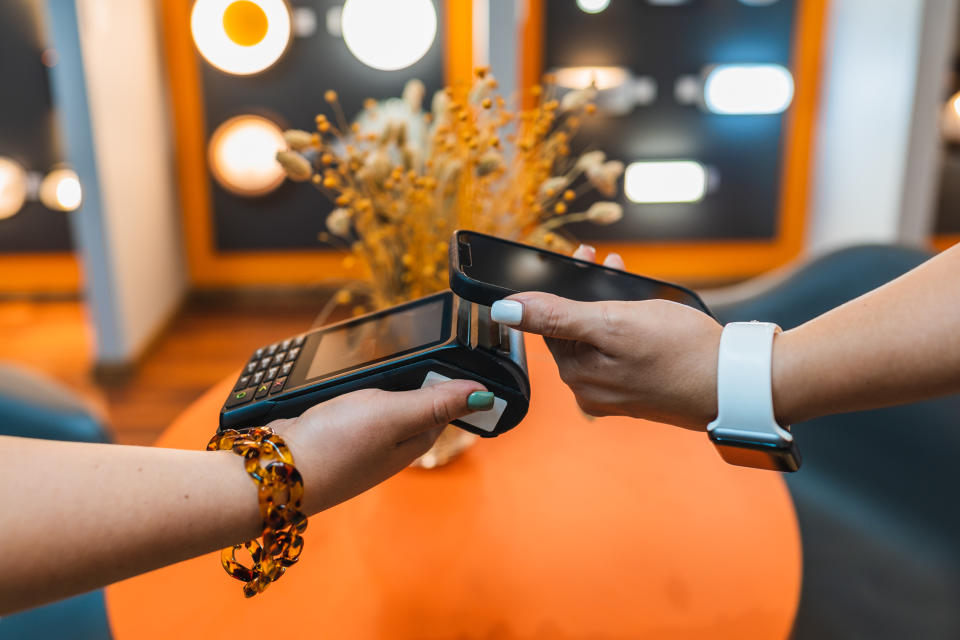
(507, 311)
(480, 400)
(589, 248)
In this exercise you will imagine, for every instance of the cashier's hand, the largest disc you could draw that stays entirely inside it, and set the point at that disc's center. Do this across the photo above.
(344, 446)
(653, 359)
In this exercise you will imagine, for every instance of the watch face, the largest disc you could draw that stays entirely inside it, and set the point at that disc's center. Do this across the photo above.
(780, 457)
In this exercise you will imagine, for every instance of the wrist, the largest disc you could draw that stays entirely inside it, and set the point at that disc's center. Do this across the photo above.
(709, 409)
(747, 431)
(788, 404)
(240, 493)
(298, 439)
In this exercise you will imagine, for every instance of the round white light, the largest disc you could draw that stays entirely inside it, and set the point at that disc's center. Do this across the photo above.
(241, 36)
(748, 89)
(61, 191)
(593, 6)
(242, 154)
(13, 187)
(668, 181)
(388, 34)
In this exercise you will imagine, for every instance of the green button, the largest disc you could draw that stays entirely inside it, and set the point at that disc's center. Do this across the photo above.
(241, 395)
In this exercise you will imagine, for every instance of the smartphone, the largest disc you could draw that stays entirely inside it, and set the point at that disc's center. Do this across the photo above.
(484, 269)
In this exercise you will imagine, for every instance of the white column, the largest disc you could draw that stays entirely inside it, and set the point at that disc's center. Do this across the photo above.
(925, 153)
(110, 94)
(875, 153)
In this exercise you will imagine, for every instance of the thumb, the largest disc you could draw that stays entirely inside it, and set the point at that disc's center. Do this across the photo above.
(549, 315)
(414, 412)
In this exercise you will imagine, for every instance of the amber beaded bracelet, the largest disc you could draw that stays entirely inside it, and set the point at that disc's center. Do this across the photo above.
(280, 490)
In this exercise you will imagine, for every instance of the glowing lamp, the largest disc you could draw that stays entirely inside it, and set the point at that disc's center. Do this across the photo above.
(13, 187)
(388, 34)
(950, 119)
(667, 181)
(618, 90)
(241, 37)
(593, 6)
(242, 155)
(60, 190)
(748, 89)
(582, 77)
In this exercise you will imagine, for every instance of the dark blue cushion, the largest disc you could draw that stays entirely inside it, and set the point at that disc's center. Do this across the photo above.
(79, 618)
(29, 420)
(875, 497)
(33, 406)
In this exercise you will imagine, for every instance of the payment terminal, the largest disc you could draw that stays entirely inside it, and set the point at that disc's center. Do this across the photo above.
(420, 343)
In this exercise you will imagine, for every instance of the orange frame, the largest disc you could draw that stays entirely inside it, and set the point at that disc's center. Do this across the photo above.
(40, 273)
(207, 267)
(690, 261)
(944, 241)
(727, 260)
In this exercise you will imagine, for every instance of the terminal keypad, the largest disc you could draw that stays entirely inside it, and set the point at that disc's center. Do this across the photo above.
(266, 372)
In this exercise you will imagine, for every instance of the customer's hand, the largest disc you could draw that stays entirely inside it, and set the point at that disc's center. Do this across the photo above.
(653, 359)
(344, 446)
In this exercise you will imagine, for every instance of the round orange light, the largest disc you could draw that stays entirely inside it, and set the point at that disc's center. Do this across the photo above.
(245, 23)
(242, 155)
(241, 37)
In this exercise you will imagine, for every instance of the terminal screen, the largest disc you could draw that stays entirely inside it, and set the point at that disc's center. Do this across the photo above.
(378, 338)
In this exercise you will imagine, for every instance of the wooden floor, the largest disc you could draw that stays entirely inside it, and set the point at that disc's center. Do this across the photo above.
(210, 339)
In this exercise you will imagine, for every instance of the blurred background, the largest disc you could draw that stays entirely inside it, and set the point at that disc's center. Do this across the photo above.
(782, 156)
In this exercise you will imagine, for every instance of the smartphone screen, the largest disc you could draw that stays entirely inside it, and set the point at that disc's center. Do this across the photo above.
(499, 267)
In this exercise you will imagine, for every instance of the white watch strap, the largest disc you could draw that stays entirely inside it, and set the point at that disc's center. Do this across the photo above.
(744, 383)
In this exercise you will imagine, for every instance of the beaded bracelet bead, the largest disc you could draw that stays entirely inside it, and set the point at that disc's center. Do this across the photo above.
(280, 491)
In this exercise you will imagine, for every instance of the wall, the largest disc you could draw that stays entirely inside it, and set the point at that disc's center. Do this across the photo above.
(112, 104)
(876, 124)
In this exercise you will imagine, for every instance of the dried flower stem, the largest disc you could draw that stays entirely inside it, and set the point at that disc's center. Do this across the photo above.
(404, 180)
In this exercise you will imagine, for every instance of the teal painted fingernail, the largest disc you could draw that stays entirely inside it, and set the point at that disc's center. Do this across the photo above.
(480, 401)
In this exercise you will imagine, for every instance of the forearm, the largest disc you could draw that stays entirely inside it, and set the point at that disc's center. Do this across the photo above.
(78, 516)
(897, 344)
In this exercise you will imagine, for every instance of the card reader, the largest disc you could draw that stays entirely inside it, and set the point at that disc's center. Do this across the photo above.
(412, 345)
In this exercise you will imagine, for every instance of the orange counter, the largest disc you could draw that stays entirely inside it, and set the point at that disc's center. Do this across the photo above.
(564, 527)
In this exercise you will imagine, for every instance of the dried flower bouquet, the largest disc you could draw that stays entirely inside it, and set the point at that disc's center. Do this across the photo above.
(403, 179)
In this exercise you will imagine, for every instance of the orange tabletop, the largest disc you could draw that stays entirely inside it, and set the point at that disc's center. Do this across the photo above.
(564, 527)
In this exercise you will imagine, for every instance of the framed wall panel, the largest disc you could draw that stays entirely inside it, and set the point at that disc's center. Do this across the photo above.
(233, 241)
(36, 248)
(754, 220)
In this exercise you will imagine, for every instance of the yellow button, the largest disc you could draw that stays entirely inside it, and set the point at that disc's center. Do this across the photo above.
(245, 23)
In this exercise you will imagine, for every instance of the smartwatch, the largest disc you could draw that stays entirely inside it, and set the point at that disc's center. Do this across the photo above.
(745, 431)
